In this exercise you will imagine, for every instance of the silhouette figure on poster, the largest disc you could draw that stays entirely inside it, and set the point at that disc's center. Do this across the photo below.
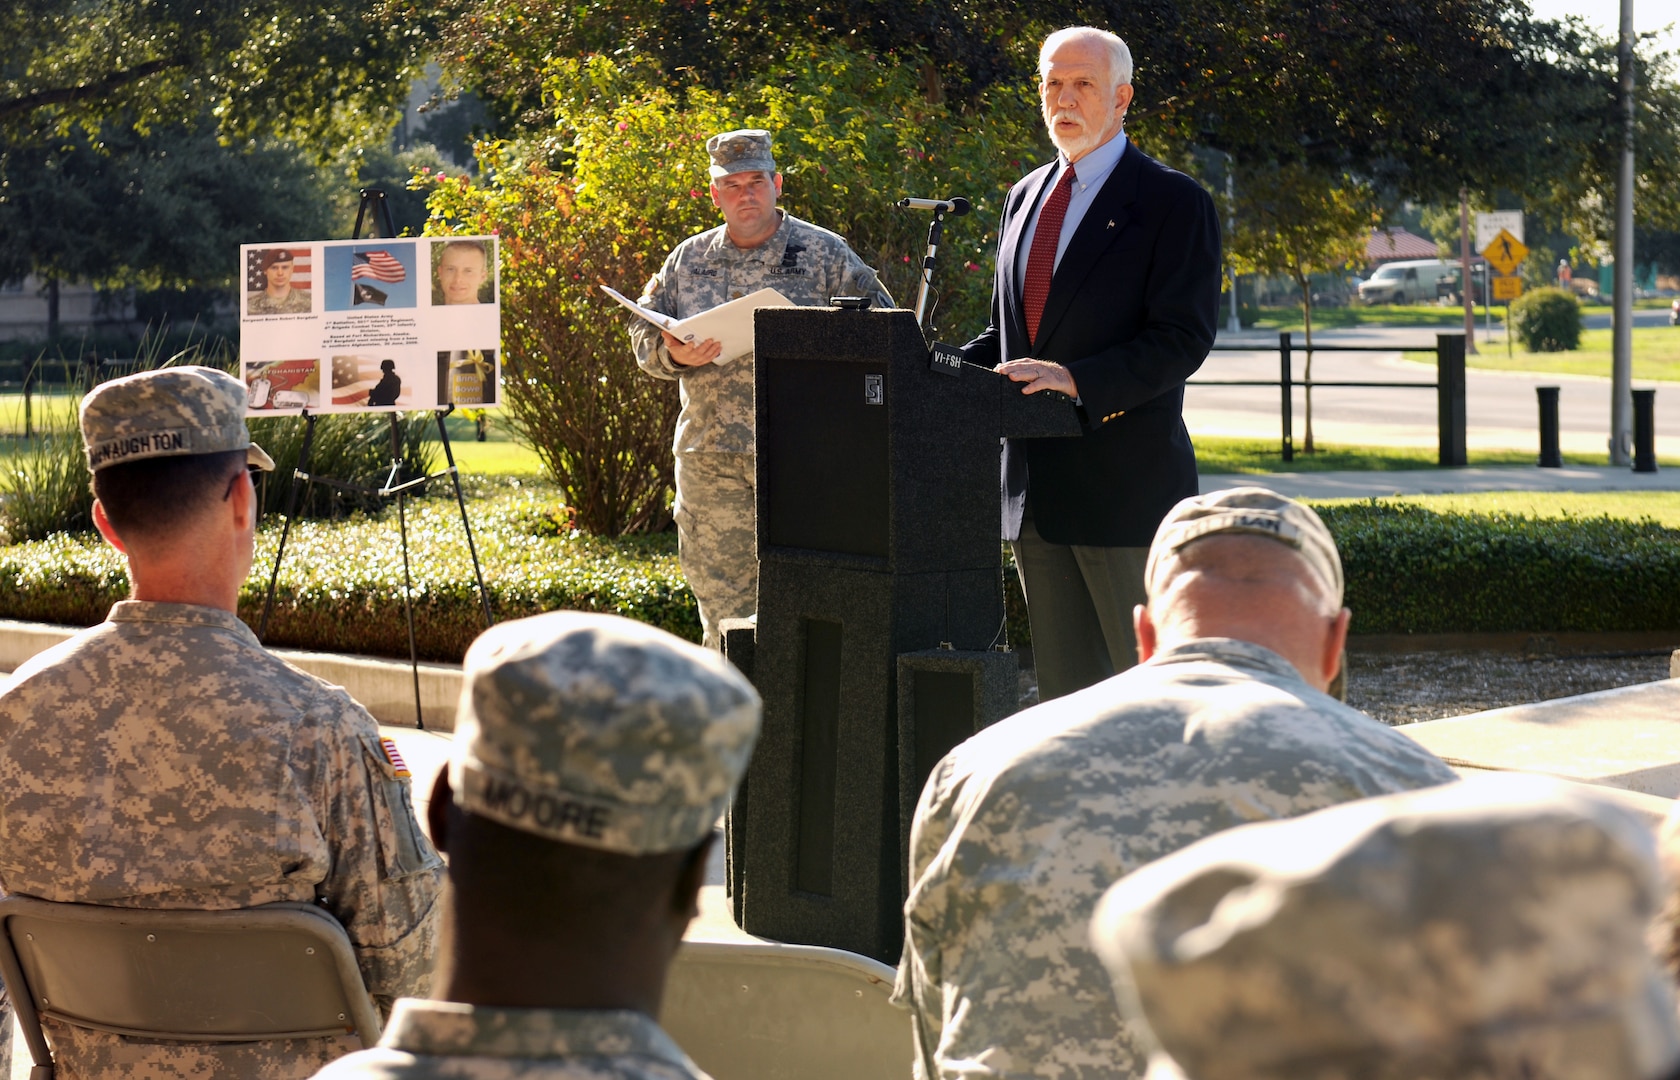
(389, 387)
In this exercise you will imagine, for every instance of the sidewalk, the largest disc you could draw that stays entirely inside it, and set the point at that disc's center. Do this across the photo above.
(1366, 484)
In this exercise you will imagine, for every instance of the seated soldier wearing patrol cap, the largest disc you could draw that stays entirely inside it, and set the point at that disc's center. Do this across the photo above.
(1487, 930)
(1021, 828)
(592, 757)
(165, 759)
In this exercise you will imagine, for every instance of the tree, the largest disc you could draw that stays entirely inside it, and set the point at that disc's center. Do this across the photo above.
(1418, 98)
(1291, 219)
(316, 71)
(165, 210)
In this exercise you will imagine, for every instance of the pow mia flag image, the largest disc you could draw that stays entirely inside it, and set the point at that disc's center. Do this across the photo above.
(366, 294)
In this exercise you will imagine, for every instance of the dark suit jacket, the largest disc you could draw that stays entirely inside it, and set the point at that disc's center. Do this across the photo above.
(1131, 314)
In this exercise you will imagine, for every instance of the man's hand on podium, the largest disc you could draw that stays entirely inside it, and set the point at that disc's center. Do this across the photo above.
(701, 352)
(1039, 375)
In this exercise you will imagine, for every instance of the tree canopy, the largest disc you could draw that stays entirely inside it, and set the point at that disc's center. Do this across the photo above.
(312, 70)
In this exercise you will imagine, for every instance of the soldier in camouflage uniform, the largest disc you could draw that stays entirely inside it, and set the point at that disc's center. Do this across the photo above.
(1488, 930)
(165, 759)
(758, 246)
(1021, 828)
(279, 297)
(592, 757)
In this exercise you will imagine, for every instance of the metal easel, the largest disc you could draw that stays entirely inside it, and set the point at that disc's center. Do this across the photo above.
(394, 486)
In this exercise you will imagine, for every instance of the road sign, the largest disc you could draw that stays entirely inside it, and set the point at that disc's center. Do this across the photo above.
(1505, 252)
(1488, 226)
(1507, 288)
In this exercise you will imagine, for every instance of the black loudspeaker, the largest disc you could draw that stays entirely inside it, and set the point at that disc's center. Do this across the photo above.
(878, 538)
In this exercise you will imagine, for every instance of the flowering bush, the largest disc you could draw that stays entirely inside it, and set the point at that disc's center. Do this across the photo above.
(622, 178)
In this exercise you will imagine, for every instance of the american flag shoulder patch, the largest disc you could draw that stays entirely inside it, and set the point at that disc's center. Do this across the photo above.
(394, 756)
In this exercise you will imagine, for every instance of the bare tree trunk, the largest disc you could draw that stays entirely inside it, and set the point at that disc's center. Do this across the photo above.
(52, 309)
(1301, 279)
(933, 87)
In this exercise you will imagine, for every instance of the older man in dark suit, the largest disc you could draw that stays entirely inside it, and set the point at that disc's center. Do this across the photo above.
(1107, 290)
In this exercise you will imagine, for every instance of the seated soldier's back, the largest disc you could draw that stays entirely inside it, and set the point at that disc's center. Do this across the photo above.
(164, 759)
(1021, 828)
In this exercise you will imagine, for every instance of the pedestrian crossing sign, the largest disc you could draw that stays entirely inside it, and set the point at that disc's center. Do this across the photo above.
(1505, 253)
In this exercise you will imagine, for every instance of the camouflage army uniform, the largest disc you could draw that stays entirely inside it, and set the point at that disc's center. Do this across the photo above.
(716, 505)
(1020, 829)
(297, 302)
(445, 1040)
(165, 759)
(1492, 929)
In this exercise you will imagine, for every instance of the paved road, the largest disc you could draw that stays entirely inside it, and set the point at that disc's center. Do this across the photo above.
(1641, 317)
(1501, 407)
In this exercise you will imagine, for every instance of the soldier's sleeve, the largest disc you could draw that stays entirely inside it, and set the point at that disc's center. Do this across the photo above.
(919, 987)
(858, 278)
(651, 354)
(386, 876)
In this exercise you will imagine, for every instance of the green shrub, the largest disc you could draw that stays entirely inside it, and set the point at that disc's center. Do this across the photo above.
(349, 448)
(1547, 320)
(44, 481)
(1413, 571)
(623, 180)
(341, 585)
(1409, 570)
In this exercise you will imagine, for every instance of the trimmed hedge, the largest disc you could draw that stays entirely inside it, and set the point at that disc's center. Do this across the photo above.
(1409, 570)
(340, 588)
(1414, 571)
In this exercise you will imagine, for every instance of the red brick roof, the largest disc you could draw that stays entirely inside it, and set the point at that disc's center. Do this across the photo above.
(1387, 245)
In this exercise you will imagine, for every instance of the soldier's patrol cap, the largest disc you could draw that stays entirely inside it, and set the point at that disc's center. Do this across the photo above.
(170, 412)
(746, 150)
(599, 731)
(1488, 929)
(1248, 511)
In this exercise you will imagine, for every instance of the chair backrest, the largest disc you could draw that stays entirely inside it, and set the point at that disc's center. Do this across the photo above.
(765, 1011)
(277, 971)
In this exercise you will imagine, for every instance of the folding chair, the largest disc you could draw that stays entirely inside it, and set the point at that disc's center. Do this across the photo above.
(282, 971)
(766, 1011)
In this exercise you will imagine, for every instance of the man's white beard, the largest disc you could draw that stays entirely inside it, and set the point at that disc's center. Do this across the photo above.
(1072, 145)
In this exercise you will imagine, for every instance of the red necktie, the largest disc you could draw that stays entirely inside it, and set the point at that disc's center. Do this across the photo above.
(1041, 261)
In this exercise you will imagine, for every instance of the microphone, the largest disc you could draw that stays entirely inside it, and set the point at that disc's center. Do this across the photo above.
(956, 207)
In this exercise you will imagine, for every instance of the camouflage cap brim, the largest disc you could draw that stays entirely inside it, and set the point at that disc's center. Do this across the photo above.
(1463, 931)
(170, 412)
(600, 731)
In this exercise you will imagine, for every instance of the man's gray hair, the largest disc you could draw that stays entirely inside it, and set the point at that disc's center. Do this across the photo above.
(1119, 56)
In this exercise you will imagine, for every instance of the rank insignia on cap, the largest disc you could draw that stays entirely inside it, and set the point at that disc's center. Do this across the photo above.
(394, 756)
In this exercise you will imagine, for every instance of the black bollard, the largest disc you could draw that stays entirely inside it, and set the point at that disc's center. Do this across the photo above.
(1644, 431)
(1551, 457)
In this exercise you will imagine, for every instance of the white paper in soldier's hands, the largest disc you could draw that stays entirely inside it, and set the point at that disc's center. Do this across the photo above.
(730, 325)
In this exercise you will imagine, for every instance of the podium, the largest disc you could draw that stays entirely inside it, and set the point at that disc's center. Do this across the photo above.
(880, 610)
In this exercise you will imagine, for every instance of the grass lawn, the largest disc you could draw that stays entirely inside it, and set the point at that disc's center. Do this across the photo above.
(1662, 507)
(498, 455)
(45, 410)
(1229, 455)
(1656, 355)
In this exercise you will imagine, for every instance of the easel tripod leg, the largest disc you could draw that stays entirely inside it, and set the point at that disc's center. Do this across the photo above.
(302, 469)
(460, 500)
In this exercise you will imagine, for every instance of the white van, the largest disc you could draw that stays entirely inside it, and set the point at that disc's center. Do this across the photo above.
(1410, 281)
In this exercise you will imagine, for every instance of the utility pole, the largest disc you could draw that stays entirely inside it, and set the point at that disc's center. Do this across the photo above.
(1234, 323)
(1621, 363)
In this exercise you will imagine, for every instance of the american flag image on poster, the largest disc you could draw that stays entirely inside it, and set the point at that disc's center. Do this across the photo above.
(378, 265)
(255, 281)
